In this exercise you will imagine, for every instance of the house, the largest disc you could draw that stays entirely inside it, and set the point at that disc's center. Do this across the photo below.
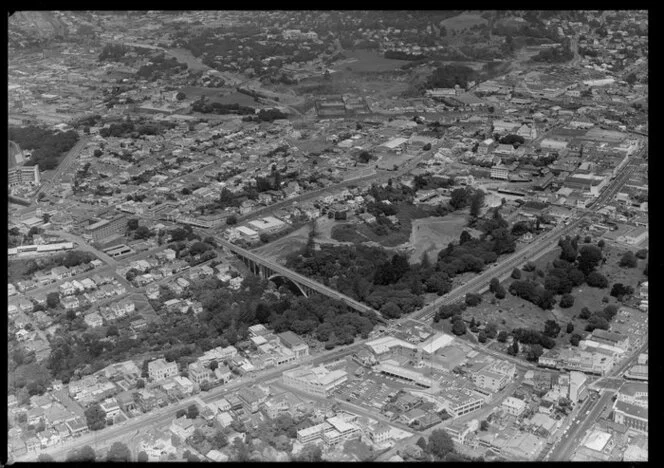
(59, 272)
(70, 303)
(160, 369)
(76, 426)
(222, 374)
(78, 286)
(251, 399)
(381, 433)
(67, 288)
(199, 373)
(111, 407)
(182, 427)
(93, 320)
(185, 384)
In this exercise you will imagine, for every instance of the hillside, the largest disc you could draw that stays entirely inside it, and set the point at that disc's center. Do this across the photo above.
(29, 28)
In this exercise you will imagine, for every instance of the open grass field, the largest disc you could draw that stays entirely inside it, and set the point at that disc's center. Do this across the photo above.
(220, 95)
(432, 234)
(463, 21)
(370, 61)
(278, 250)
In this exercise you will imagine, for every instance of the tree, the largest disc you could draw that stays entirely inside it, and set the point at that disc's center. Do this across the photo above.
(516, 273)
(534, 352)
(311, 453)
(502, 336)
(476, 203)
(440, 443)
(45, 457)
(112, 330)
(481, 336)
(140, 383)
(575, 339)
(513, 350)
(551, 328)
(132, 224)
(192, 411)
(589, 257)
(180, 96)
(570, 327)
(86, 454)
(619, 290)
(231, 220)
(95, 417)
(264, 238)
(628, 260)
(484, 425)
(585, 313)
(131, 274)
(52, 300)
(642, 254)
(529, 266)
(181, 412)
(421, 443)
(391, 310)
(597, 280)
(631, 78)
(465, 237)
(118, 452)
(566, 301)
(142, 232)
(459, 327)
(142, 457)
(473, 300)
(601, 243)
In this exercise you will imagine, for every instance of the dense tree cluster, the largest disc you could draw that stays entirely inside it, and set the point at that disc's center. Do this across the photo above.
(532, 337)
(113, 52)
(130, 129)
(160, 67)
(448, 76)
(533, 292)
(218, 108)
(47, 146)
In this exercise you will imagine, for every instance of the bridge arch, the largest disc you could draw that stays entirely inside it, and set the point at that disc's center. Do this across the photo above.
(281, 280)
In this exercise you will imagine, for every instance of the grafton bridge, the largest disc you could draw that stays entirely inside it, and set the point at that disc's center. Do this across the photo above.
(278, 273)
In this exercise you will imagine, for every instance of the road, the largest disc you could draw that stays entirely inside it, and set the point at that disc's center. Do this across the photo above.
(83, 245)
(587, 415)
(590, 411)
(303, 280)
(536, 248)
(162, 416)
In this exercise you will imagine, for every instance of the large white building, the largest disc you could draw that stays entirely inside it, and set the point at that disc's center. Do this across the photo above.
(514, 406)
(160, 369)
(318, 381)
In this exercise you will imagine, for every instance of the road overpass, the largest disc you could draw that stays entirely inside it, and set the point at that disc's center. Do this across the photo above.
(270, 270)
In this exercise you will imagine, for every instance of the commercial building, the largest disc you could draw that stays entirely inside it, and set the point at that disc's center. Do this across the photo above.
(247, 233)
(318, 381)
(513, 406)
(105, 228)
(293, 342)
(199, 373)
(23, 175)
(393, 369)
(458, 402)
(267, 225)
(160, 369)
(577, 385)
(612, 339)
(500, 171)
(387, 345)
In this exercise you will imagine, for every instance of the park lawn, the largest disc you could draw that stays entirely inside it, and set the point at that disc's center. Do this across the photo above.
(514, 312)
(370, 61)
(433, 234)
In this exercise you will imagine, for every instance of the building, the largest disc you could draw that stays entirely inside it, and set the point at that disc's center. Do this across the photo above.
(394, 369)
(267, 225)
(612, 339)
(293, 342)
(182, 427)
(577, 386)
(199, 373)
(318, 381)
(310, 434)
(23, 175)
(381, 433)
(387, 345)
(494, 376)
(160, 369)
(513, 406)
(105, 228)
(247, 233)
(500, 171)
(460, 401)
